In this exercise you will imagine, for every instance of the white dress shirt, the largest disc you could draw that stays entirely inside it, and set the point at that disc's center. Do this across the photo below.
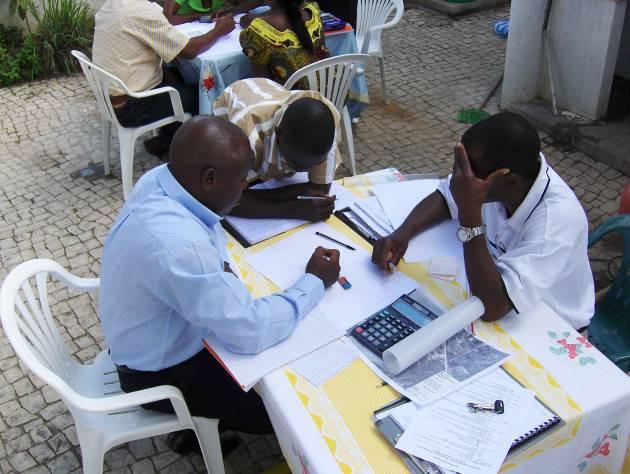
(541, 250)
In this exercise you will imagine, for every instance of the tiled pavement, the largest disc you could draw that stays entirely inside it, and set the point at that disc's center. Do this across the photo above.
(49, 130)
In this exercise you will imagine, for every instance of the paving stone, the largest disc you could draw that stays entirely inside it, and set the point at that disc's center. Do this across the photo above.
(118, 458)
(64, 463)
(42, 453)
(33, 402)
(59, 443)
(40, 434)
(22, 461)
(143, 467)
(141, 448)
(19, 444)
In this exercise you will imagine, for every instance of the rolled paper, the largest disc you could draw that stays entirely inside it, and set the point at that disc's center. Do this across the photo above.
(412, 348)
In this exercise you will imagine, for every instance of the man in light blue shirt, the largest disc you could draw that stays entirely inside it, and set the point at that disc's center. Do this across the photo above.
(165, 283)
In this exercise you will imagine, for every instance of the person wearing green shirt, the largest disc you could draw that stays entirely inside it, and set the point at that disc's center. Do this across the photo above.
(184, 11)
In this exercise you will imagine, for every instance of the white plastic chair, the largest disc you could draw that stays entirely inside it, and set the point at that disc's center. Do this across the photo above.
(372, 16)
(100, 81)
(332, 77)
(104, 416)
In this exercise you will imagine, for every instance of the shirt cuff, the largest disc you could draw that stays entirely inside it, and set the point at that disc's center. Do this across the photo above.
(311, 285)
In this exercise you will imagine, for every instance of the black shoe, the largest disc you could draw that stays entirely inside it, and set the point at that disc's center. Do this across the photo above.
(186, 442)
(154, 146)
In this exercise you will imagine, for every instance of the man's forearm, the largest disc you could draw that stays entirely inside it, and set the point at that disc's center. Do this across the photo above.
(290, 192)
(254, 206)
(430, 211)
(178, 19)
(199, 44)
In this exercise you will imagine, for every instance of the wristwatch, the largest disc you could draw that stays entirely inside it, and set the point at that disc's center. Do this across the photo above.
(466, 234)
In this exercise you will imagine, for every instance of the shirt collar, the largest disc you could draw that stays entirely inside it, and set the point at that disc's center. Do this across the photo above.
(533, 197)
(175, 191)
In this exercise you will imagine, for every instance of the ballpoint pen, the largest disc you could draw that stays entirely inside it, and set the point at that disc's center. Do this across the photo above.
(316, 198)
(335, 240)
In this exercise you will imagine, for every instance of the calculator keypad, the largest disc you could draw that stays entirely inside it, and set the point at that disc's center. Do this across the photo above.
(382, 330)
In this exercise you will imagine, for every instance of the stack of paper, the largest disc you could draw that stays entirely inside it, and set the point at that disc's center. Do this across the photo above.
(448, 434)
(313, 332)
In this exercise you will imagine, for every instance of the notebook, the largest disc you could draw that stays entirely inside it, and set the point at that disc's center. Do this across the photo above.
(539, 419)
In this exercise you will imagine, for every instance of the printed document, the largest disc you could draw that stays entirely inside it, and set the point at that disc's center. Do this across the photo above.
(448, 434)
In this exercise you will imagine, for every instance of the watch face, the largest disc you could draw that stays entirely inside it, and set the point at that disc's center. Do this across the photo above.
(462, 234)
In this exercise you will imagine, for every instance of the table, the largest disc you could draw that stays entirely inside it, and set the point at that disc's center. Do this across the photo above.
(328, 429)
(225, 63)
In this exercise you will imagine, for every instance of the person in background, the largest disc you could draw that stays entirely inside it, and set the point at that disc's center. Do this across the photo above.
(523, 230)
(132, 40)
(166, 283)
(184, 11)
(284, 39)
(289, 131)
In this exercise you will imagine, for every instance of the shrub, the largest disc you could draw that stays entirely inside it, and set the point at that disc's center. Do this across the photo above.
(64, 25)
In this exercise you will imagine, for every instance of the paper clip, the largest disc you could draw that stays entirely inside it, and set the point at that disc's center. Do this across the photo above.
(497, 408)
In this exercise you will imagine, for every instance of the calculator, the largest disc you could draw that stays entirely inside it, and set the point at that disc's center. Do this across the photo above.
(392, 324)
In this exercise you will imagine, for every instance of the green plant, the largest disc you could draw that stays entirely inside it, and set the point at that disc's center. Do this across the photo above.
(10, 37)
(23, 8)
(64, 25)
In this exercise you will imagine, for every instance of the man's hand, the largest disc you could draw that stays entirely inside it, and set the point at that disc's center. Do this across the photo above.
(224, 25)
(223, 11)
(324, 264)
(315, 209)
(388, 250)
(470, 192)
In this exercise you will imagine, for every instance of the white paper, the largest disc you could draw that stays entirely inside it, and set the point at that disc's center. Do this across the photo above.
(438, 241)
(369, 210)
(228, 44)
(445, 268)
(322, 364)
(284, 262)
(399, 199)
(313, 332)
(449, 435)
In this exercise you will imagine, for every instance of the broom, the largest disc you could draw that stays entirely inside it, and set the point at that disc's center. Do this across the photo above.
(477, 115)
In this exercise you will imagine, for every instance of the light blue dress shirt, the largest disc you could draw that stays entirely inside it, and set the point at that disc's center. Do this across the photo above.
(164, 288)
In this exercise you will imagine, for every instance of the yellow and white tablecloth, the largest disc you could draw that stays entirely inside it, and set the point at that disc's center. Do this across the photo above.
(329, 429)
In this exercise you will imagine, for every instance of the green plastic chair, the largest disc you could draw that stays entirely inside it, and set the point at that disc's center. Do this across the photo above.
(609, 330)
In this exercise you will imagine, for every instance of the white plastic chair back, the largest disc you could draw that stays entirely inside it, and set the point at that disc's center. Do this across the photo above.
(372, 18)
(104, 416)
(100, 82)
(332, 77)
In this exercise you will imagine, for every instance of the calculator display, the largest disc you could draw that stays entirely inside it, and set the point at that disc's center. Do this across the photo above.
(411, 313)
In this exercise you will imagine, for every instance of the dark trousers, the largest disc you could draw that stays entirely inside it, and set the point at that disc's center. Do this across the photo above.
(209, 392)
(344, 9)
(137, 112)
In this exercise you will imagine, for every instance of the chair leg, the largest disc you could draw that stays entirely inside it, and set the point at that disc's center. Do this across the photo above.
(92, 449)
(381, 64)
(207, 430)
(127, 143)
(348, 141)
(106, 127)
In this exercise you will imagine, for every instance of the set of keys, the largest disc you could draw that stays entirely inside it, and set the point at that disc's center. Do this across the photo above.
(497, 408)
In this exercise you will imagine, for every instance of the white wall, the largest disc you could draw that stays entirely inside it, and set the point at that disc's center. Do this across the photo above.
(584, 39)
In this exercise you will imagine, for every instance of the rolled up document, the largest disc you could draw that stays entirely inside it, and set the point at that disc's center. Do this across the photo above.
(412, 348)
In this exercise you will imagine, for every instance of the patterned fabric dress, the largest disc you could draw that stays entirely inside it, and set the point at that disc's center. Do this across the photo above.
(281, 51)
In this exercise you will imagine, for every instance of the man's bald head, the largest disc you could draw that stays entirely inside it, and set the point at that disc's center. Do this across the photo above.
(210, 158)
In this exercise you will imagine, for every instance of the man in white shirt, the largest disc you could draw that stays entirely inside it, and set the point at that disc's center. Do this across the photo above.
(524, 232)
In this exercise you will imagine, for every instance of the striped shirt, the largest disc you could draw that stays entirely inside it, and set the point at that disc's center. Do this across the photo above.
(257, 106)
(131, 39)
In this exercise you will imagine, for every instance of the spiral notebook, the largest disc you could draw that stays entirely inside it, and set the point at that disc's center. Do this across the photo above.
(539, 419)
